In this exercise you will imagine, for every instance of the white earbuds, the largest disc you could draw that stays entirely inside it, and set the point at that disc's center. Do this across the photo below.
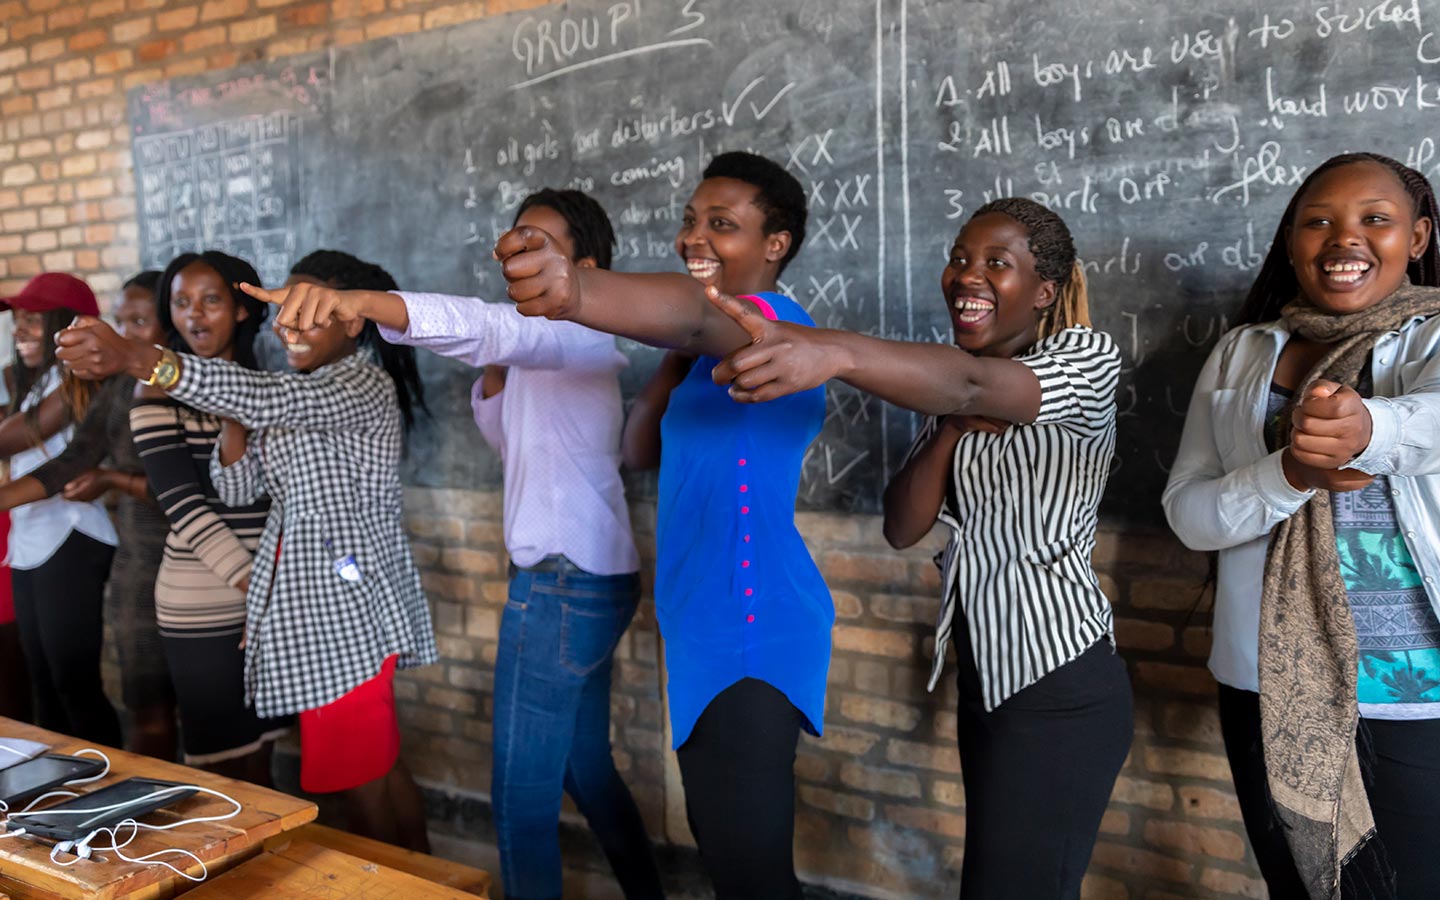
(82, 850)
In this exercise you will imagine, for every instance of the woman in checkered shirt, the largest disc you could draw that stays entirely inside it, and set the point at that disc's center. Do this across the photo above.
(334, 605)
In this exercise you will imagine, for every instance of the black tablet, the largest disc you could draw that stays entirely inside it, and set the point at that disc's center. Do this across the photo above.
(105, 808)
(34, 777)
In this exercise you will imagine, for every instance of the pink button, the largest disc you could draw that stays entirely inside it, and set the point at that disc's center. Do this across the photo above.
(744, 563)
(747, 538)
(744, 488)
(744, 510)
(750, 618)
(749, 591)
(742, 461)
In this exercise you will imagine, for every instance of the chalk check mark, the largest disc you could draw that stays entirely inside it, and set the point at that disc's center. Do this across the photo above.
(728, 110)
(760, 113)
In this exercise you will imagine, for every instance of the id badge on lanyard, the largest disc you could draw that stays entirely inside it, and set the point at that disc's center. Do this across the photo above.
(345, 566)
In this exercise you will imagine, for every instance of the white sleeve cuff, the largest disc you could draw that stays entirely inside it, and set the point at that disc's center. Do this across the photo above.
(1384, 434)
(1274, 489)
(392, 336)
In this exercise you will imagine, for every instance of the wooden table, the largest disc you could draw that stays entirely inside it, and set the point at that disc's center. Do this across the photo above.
(444, 872)
(305, 871)
(26, 872)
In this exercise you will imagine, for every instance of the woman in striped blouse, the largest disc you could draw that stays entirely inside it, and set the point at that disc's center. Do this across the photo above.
(1013, 459)
(205, 571)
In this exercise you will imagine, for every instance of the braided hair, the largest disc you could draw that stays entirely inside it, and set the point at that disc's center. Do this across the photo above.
(1055, 260)
(1276, 285)
(349, 273)
(232, 270)
(590, 228)
(777, 194)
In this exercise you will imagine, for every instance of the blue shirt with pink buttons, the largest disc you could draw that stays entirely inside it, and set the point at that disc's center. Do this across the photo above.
(736, 592)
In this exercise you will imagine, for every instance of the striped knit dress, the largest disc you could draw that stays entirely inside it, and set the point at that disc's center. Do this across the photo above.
(198, 601)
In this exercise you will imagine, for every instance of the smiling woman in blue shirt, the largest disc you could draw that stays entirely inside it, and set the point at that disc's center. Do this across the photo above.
(743, 610)
(1013, 460)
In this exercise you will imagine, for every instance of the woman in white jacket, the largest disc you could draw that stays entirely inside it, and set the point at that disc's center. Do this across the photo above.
(1357, 241)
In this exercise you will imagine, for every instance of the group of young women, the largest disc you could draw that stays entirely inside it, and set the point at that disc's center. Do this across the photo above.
(262, 547)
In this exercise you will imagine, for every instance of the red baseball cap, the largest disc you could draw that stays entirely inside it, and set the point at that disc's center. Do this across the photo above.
(54, 290)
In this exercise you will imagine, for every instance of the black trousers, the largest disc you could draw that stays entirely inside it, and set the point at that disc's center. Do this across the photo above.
(1401, 765)
(738, 766)
(58, 606)
(1038, 774)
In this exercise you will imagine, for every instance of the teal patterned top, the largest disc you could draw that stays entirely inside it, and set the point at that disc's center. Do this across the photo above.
(1396, 627)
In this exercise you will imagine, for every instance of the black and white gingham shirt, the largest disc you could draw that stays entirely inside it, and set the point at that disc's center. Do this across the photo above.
(1022, 508)
(326, 448)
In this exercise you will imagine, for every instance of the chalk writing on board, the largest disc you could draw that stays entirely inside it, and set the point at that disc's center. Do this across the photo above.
(227, 186)
(552, 47)
(1169, 137)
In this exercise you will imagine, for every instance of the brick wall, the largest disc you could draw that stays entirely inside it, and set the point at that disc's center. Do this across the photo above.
(881, 809)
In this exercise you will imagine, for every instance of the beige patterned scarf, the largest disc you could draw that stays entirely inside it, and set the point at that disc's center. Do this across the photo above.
(1308, 652)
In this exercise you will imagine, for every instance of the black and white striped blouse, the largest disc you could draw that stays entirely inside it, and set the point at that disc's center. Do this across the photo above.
(1022, 508)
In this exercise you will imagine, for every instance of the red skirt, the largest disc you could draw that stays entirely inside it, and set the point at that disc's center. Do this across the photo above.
(353, 740)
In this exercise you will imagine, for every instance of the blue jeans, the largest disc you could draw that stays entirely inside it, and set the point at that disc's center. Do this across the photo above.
(552, 729)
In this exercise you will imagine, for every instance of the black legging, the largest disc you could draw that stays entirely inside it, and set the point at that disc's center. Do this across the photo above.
(1038, 773)
(1240, 727)
(58, 607)
(1402, 778)
(739, 771)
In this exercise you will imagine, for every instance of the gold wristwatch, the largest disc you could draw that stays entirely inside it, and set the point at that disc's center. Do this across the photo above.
(167, 370)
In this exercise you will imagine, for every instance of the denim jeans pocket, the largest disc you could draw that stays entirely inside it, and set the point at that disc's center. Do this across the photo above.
(589, 634)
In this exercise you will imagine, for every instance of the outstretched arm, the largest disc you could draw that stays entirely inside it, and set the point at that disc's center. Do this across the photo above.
(661, 309)
(334, 398)
(781, 358)
(305, 305)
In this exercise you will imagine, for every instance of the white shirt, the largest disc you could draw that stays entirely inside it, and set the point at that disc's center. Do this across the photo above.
(1227, 492)
(38, 529)
(556, 425)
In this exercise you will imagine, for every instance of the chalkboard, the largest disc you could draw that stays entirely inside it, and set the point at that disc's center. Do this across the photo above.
(1169, 137)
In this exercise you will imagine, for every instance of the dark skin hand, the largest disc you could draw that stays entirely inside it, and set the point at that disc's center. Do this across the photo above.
(1330, 427)
(93, 350)
(659, 309)
(640, 444)
(84, 488)
(97, 483)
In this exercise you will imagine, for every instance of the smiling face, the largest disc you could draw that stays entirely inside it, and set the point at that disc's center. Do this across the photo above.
(135, 315)
(30, 337)
(723, 241)
(306, 351)
(205, 312)
(1354, 233)
(992, 291)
